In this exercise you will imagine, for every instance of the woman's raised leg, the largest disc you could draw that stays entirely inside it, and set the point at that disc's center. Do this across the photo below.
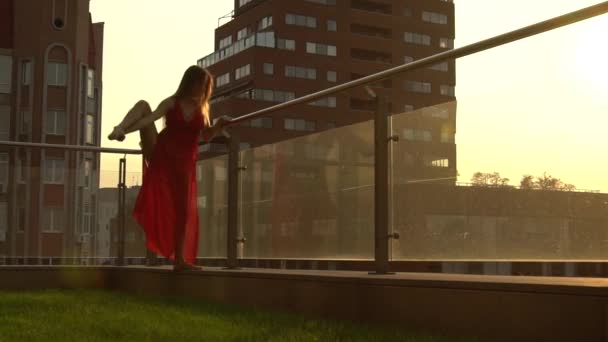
(140, 109)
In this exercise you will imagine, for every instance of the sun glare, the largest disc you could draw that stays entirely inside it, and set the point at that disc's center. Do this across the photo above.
(591, 53)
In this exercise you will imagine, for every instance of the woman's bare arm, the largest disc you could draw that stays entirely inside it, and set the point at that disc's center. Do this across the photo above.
(160, 112)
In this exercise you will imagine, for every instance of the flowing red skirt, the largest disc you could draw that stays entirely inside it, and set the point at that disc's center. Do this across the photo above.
(166, 207)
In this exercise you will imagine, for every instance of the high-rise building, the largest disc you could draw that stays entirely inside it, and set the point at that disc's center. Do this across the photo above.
(274, 50)
(50, 92)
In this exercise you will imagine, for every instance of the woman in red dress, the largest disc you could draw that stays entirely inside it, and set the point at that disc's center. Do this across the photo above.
(166, 206)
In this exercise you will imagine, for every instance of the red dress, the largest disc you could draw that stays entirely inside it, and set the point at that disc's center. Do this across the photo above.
(166, 205)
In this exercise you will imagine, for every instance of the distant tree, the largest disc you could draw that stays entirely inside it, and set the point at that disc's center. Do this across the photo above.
(527, 182)
(544, 182)
(491, 179)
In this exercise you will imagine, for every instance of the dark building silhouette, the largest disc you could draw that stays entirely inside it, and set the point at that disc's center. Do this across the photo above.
(50, 92)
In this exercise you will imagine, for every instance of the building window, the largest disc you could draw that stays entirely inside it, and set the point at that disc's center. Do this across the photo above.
(55, 122)
(265, 39)
(242, 33)
(53, 170)
(242, 72)
(447, 90)
(434, 18)
(300, 72)
(408, 108)
(86, 170)
(408, 59)
(3, 172)
(446, 43)
(222, 80)
(5, 122)
(25, 122)
(53, 220)
(90, 83)
(21, 168)
(244, 2)
(443, 67)
(225, 42)
(332, 76)
(57, 74)
(265, 122)
(325, 102)
(265, 23)
(300, 20)
(417, 38)
(417, 135)
(90, 130)
(332, 25)
(436, 162)
(94, 102)
(6, 74)
(417, 87)
(321, 49)
(270, 95)
(26, 73)
(299, 125)
(268, 69)
(286, 44)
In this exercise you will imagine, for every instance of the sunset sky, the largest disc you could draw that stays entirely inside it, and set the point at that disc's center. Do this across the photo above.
(532, 106)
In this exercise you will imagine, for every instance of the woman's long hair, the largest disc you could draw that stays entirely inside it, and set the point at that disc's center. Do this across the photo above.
(196, 76)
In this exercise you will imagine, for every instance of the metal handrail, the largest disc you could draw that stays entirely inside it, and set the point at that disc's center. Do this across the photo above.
(69, 147)
(490, 43)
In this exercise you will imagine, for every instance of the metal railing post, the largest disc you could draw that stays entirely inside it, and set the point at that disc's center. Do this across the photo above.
(122, 175)
(234, 170)
(381, 186)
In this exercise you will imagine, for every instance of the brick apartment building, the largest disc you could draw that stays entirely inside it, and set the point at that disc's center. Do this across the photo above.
(272, 51)
(50, 92)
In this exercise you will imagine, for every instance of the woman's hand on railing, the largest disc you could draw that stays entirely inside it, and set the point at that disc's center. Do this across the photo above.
(222, 122)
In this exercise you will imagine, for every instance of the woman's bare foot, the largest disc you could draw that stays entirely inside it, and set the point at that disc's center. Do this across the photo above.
(117, 134)
(186, 267)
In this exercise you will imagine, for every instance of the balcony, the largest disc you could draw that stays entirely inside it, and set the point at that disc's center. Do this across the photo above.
(372, 6)
(262, 39)
(371, 31)
(371, 56)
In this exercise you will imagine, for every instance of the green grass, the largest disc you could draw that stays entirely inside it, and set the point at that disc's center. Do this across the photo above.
(109, 316)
